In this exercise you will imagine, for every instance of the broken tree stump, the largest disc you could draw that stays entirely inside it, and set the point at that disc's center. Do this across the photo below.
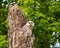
(19, 31)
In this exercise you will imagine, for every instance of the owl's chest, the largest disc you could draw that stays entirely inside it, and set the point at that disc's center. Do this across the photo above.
(28, 33)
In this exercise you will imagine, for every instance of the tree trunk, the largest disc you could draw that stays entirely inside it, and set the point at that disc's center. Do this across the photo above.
(16, 20)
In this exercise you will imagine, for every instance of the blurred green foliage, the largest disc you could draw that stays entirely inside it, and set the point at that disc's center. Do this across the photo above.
(44, 13)
(3, 41)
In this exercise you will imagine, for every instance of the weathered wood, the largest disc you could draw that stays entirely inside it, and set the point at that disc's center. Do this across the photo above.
(16, 22)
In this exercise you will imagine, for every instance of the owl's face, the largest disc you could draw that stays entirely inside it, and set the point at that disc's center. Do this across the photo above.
(30, 23)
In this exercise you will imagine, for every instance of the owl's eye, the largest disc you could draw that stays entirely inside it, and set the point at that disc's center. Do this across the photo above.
(29, 22)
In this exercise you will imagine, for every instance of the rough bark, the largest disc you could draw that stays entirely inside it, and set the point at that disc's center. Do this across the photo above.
(16, 20)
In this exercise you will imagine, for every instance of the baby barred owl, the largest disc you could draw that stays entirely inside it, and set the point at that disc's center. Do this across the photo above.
(26, 37)
(27, 28)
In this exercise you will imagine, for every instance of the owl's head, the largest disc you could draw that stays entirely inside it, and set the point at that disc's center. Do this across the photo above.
(30, 23)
